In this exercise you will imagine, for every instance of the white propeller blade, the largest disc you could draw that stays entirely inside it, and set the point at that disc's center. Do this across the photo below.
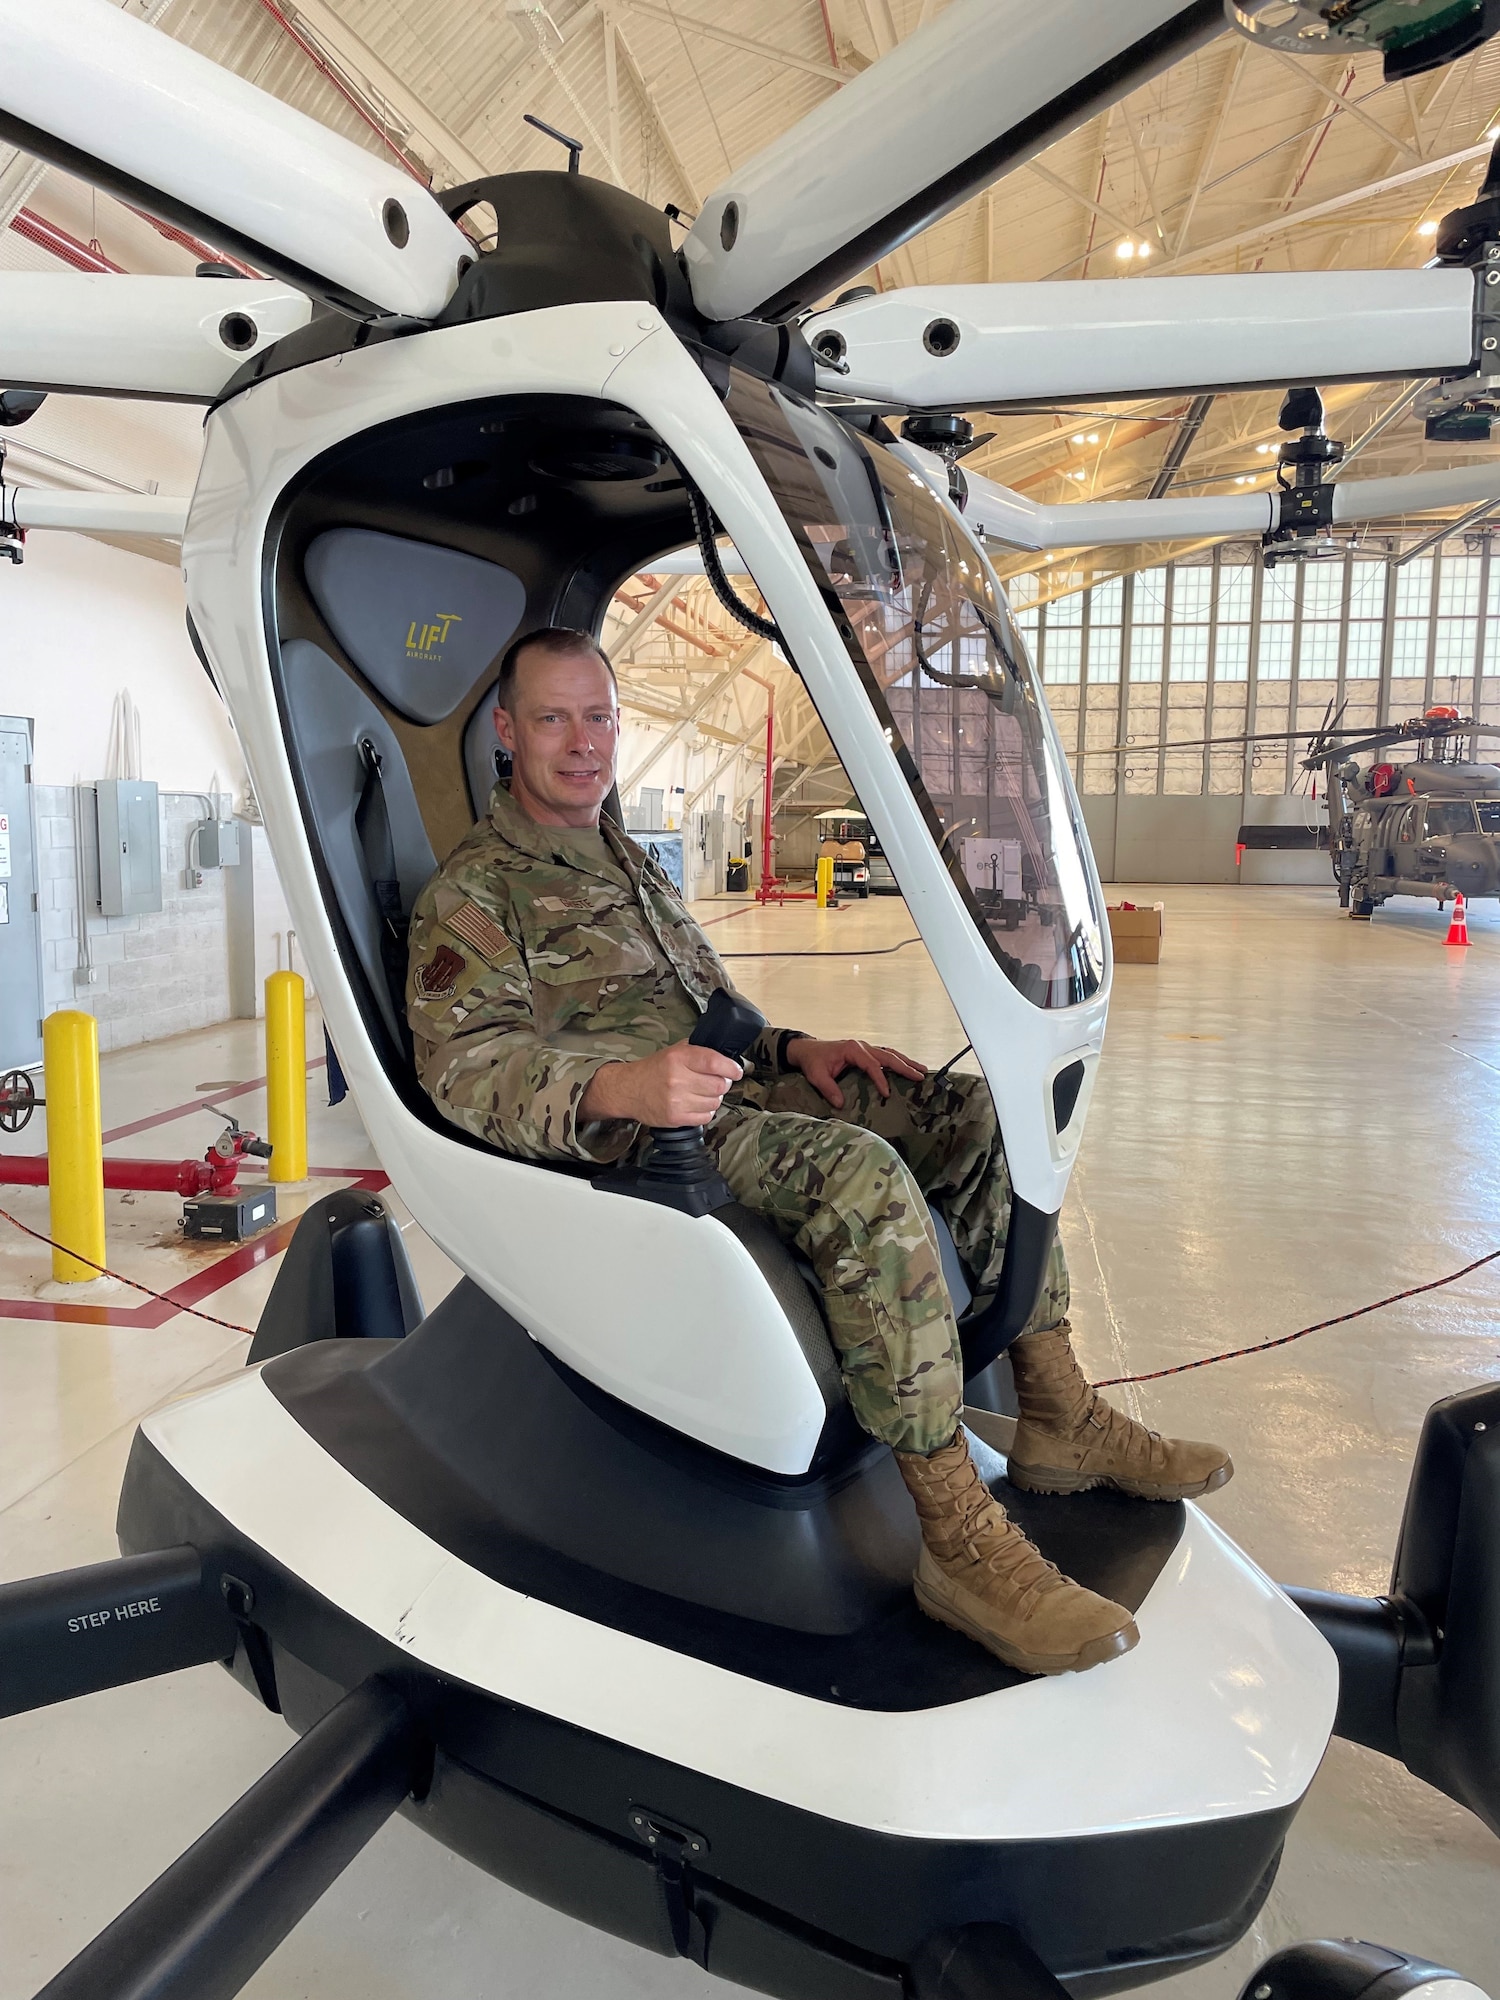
(180, 338)
(998, 515)
(1001, 516)
(163, 514)
(95, 91)
(964, 347)
(987, 84)
(1415, 492)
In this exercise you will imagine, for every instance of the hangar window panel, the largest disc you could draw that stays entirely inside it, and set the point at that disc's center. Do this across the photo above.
(1064, 651)
(1236, 593)
(1414, 588)
(1458, 587)
(1104, 653)
(1192, 595)
(1147, 624)
(1106, 612)
(1150, 597)
(1189, 653)
(1492, 639)
(1145, 653)
(1279, 593)
(1453, 649)
(1323, 590)
(1362, 662)
(1320, 651)
(1233, 660)
(1367, 589)
(1273, 660)
(1409, 647)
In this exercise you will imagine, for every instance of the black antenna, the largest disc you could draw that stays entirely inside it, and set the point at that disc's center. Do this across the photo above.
(574, 146)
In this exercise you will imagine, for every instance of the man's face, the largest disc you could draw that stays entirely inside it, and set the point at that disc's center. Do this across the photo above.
(562, 729)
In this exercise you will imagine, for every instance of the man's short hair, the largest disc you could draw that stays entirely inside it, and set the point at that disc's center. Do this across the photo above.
(556, 642)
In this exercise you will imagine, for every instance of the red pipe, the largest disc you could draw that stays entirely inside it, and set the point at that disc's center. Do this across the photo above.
(47, 236)
(204, 252)
(184, 1177)
(84, 257)
(320, 62)
(773, 888)
(767, 878)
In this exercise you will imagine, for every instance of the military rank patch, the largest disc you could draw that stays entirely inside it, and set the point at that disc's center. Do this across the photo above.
(471, 924)
(437, 978)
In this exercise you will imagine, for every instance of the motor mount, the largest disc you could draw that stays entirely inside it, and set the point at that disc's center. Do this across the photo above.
(1420, 1667)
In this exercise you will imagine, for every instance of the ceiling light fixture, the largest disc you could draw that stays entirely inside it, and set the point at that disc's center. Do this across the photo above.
(1143, 250)
(1427, 228)
(1124, 250)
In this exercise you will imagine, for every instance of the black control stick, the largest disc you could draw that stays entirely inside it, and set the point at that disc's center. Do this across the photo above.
(678, 1170)
(678, 1155)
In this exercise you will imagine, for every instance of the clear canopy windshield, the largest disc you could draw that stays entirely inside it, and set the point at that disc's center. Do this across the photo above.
(929, 631)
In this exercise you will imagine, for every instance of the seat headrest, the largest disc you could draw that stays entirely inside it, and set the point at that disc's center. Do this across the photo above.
(420, 621)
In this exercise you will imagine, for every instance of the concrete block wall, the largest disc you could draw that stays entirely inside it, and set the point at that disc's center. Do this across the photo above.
(154, 975)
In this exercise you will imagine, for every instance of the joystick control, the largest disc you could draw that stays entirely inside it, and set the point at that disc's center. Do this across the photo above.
(679, 1170)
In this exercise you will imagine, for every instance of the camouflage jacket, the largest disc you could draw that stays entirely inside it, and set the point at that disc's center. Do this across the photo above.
(532, 964)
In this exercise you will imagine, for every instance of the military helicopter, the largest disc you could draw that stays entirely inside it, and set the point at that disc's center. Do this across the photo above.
(1427, 827)
(587, 1570)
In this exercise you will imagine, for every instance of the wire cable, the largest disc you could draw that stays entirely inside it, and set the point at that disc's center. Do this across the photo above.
(713, 569)
(134, 1283)
(1286, 1339)
(876, 951)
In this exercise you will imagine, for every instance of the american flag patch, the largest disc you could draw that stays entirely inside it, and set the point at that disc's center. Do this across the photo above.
(471, 924)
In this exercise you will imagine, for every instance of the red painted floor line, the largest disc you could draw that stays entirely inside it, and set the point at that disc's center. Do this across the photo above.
(192, 1291)
(709, 922)
(196, 1104)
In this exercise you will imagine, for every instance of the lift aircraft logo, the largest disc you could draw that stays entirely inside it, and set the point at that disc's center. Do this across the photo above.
(424, 642)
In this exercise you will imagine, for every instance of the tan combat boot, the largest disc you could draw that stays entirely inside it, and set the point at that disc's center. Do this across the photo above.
(979, 1574)
(1069, 1439)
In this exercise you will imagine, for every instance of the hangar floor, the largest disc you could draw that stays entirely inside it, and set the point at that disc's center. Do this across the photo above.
(1295, 1115)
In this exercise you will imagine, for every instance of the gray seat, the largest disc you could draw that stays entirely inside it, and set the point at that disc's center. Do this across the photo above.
(332, 719)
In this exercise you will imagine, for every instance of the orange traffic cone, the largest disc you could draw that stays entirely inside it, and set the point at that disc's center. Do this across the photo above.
(1458, 929)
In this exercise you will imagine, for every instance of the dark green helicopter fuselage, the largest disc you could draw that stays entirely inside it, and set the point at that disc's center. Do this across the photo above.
(1435, 833)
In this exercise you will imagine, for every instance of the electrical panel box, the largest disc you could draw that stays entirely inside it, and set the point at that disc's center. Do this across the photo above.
(218, 844)
(129, 847)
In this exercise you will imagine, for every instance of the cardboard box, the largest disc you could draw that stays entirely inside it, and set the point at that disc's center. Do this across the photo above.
(1136, 934)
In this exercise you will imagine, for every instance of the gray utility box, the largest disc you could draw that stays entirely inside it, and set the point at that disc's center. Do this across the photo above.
(129, 847)
(218, 843)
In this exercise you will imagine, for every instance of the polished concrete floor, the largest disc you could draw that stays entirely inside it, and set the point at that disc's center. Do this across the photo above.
(1295, 1115)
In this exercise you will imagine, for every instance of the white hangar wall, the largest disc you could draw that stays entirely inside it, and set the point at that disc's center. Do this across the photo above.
(81, 622)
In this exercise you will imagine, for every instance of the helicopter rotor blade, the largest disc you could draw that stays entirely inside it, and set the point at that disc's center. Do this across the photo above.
(1207, 742)
(871, 166)
(95, 91)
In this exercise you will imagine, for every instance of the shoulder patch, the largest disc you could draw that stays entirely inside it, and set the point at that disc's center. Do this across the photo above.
(436, 978)
(470, 923)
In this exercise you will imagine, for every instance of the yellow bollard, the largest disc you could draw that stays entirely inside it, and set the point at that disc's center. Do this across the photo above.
(75, 1143)
(825, 881)
(286, 1076)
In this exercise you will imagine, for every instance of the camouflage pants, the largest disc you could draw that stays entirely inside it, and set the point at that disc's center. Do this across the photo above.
(850, 1189)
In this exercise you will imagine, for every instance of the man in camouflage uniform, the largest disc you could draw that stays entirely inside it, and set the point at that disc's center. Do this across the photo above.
(555, 977)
